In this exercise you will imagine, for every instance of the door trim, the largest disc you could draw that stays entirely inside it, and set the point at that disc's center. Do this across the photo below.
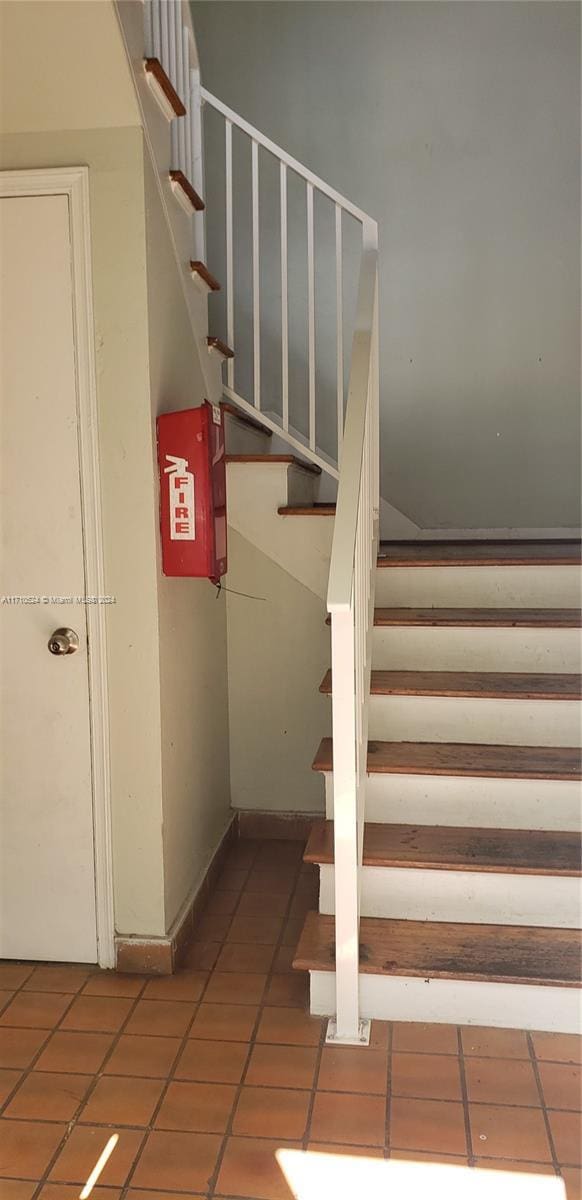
(73, 182)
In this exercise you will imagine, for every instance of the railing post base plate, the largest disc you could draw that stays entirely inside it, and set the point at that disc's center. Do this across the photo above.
(361, 1039)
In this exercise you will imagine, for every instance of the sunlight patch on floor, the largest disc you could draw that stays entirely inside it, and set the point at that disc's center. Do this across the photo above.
(312, 1175)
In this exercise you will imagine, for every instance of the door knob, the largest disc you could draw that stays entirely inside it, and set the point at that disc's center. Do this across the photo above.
(63, 641)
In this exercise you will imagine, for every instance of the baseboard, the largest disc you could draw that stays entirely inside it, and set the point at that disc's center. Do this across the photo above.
(162, 955)
(281, 827)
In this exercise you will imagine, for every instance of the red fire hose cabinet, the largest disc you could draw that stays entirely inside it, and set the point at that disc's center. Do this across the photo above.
(193, 492)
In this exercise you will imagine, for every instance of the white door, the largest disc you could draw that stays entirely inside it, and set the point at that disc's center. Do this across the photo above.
(47, 865)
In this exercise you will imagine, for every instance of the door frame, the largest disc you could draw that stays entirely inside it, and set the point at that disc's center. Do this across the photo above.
(73, 182)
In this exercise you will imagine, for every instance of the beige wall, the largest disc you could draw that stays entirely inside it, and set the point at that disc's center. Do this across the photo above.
(192, 621)
(68, 99)
(278, 652)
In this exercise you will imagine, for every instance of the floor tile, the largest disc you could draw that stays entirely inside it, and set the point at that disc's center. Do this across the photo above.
(431, 1125)
(288, 991)
(519, 1134)
(257, 931)
(185, 985)
(8, 1080)
(68, 979)
(116, 1100)
(181, 1161)
(75, 1052)
(143, 1194)
(221, 904)
(143, 1056)
(351, 1069)
(225, 1022)
(501, 1081)
(212, 1062)
(26, 1147)
(562, 1085)
(336, 1148)
(19, 1046)
(256, 904)
(17, 1189)
(283, 960)
(13, 975)
(254, 960)
(283, 1066)
(430, 1156)
(243, 853)
(202, 955)
(341, 1118)
(232, 879)
(271, 1112)
(514, 1166)
(164, 1018)
(572, 1177)
(97, 1014)
(70, 1191)
(289, 1026)
(292, 930)
(426, 1076)
(249, 1168)
(110, 983)
(496, 1043)
(558, 1047)
(5, 998)
(45, 1095)
(424, 1039)
(266, 880)
(245, 989)
(566, 1130)
(35, 1010)
(199, 1107)
(85, 1146)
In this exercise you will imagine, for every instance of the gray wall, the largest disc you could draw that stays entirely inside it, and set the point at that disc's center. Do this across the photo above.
(457, 126)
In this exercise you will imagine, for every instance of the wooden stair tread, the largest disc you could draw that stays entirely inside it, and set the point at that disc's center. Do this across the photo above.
(480, 553)
(307, 510)
(215, 343)
(492, 685)
(275, 458)
(464, 758)
(498, 618)
(153, 67)
(199, 268)
(238, 413)
(450, 848)
(443, 950)
(179, 178)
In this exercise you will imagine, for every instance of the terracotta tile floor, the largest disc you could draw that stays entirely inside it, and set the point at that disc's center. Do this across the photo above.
(204, 1075)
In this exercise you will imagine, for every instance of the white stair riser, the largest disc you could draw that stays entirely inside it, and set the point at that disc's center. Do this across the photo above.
(433, 648)
(479, 587)
(474, 802)
(483, 897)
(455, 719)
(456, 1002)
(242, 439)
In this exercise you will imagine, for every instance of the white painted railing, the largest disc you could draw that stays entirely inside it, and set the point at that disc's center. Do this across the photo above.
(168, 37)
(258, 143)
(350, 601)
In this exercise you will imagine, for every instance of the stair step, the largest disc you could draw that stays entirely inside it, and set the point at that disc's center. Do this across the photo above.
(216, 346)
(513, 954)
(185, 193)
(239, 415)
(480, 553)
(481, 685)
(163, 88)
(464, 758)
(307, 510)
(442, 848)
(200, 270)
(499, 618)
(269, 459)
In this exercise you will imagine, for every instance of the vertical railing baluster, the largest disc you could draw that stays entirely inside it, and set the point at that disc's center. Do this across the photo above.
(197, 156)
(311, 314)
(188, 126)
(229, 250)
(339, 307)
(181, 90)
(175, 58)
(156, 27)
(165, 36)
(148, 29)
(284, 302)
(256, 277)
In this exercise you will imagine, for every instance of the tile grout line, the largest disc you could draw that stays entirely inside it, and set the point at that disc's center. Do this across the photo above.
(213, 1181)
(549, 1134)
(471, 1157)
(311, 1106)
(388, 1113)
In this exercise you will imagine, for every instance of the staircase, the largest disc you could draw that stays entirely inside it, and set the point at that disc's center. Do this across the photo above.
(450, 857)
(471, 864)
